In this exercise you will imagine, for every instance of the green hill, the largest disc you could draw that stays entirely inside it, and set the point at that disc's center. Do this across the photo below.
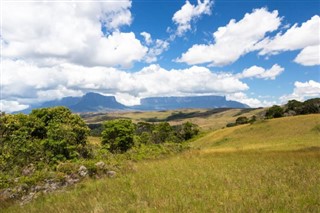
(270, 166)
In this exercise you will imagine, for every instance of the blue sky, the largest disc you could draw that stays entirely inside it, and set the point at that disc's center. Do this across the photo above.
(257, 52)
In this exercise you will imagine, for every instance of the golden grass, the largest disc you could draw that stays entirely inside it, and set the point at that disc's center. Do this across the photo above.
(212, 122)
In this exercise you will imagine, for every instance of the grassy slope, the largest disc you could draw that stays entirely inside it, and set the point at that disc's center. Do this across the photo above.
(212, 122)
(269, 166)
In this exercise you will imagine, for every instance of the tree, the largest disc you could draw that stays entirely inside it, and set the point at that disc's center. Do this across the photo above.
(242, 120)
(64, 134)
(311, 106)
(274, 112)
(118, 135)
(188, 130)
(162, 132)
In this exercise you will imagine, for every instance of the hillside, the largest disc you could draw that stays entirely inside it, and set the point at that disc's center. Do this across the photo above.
(207, 119)
(272, 165)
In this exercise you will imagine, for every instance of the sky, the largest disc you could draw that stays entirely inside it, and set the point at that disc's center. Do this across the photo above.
(260, 53)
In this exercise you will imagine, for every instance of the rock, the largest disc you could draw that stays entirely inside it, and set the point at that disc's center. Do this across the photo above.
(100, 165)
(111, 174)
(27, 198)
(71, 179)
(6, 194)
(28, 170)
(83, 171)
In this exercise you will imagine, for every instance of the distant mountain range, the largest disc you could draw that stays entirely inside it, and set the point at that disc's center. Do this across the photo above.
(94, 102)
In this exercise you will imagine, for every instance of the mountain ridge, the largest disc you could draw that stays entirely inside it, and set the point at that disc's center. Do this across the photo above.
(95, 102)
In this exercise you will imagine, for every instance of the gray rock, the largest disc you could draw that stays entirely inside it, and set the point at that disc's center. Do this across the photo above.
(111, 174)
(83, 171)
(27, 198)
(28, 170)
(71, 179)
(100, 165)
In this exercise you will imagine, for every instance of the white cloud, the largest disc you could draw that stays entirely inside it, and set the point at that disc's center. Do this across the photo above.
(11, 106)
(234, 40)
(303, 91)
(70, 32)
(309, 56)
(157, 48)
(189, 13)
(252, 102)
(295, 38)
(305, 37)
(147, 37)
(26, 82)
(260, 72)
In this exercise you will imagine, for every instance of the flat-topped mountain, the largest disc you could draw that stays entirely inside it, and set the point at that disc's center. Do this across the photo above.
(94, 102)
(165, 103)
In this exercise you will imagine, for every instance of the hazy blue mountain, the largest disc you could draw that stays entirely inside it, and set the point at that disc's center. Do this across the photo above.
(165, 103)
(90, 102)
(94, 102)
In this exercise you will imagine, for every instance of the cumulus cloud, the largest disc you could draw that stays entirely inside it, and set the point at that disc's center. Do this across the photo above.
(305, 37)
(303, 91)
(234, 40)
(309, 56)
(260, 72)
(188, 13)
(25, 81)
(86, 33)
(11, 106)
(155, 47)
(252, 102)
(294, 38)
(147, 37)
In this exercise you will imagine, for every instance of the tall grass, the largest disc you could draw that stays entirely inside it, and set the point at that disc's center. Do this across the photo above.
(272, 166)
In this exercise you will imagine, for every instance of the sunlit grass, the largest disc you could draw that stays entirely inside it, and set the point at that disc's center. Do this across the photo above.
(271, 166)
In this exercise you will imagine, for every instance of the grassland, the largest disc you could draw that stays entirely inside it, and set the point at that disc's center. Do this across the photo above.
(270, 166)
(206, 119)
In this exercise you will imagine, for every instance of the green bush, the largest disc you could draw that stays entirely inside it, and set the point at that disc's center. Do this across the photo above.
(117, 135)
(242, 120)
(275, 112)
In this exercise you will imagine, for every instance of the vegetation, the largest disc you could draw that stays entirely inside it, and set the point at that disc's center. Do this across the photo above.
(268, 166)
(50, 147)
(45, 136)
(274, 112)
(294, 107)
(51, 144)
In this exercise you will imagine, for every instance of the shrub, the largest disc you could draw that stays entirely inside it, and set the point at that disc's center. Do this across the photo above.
(274, 112)
(117, 135)
(242, 120)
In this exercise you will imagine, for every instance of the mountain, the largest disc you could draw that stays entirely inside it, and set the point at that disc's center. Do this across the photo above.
(166, 103)
(94, 102)
(90, 102)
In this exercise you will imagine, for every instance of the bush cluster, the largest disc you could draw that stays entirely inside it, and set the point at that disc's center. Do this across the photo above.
(121, 135)
(294, 107)
(46, 135)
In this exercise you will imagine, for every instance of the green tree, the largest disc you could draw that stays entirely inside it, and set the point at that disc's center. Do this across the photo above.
(162, 132)
(64, 134)
(118, 135)
(311, 106)
(189, 130)
(274, 112)
(242, 120)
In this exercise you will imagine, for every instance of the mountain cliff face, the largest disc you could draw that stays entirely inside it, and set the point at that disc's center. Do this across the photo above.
(94, 102)
(164, 103)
